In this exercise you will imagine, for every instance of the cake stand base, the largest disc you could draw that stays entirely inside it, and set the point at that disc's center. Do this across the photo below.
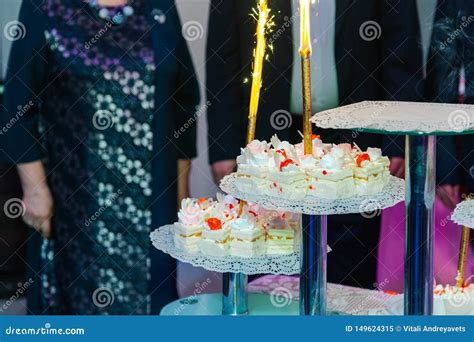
(211, 305)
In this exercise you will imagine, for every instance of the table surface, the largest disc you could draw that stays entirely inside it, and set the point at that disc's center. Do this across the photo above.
(342, 299)
(278, 295)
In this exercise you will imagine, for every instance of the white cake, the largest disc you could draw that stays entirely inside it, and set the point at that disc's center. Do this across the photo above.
(189, 228)
(371, 172)
(215, 236)
(280, 169)
(448, 301)
(215, 228)
(247, 237)
(453, 300)
(281, 232)
(333, 178)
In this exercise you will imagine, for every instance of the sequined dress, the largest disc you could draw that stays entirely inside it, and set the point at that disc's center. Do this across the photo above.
(99, 142)
(100, 102)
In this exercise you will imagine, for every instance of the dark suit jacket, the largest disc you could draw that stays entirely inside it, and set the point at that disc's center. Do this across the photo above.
(449, 52)
(387, 68)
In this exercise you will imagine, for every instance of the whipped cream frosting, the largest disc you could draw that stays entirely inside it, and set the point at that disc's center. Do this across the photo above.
(374, 153)
(190, 213)
(257, 153)
(334, 160)
(246, 222)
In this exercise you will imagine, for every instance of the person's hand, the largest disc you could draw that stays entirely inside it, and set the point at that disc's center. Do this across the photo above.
(449, 195)
(222, 168)
(37, 197)
(397, 167)
(38, 214)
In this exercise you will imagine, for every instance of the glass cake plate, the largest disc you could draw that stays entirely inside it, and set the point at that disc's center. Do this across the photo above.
(464, 214)
(404, 118)
(393, 194)
(163, 239)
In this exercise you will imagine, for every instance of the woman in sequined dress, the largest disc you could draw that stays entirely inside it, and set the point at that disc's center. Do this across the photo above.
(95, 93)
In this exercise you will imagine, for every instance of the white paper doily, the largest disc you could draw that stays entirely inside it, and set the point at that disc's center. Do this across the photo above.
(163, 239)
(399, 117)
(464, 214)
(393, 193)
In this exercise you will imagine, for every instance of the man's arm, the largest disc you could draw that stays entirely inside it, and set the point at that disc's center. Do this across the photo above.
(224, 90)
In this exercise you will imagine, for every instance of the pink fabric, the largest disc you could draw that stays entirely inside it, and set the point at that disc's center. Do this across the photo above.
(447, 239)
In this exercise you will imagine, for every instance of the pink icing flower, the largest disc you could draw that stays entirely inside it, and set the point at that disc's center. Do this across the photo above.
(190, 213)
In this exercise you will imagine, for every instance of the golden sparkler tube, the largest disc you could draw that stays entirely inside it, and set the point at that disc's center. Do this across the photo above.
(463, 257)
(305, 28)
(252, 126)
(307, 112)
(259, 57)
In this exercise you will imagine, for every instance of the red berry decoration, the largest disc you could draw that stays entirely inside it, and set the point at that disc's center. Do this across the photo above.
(214, 223)
(362, 157)
(285, 163)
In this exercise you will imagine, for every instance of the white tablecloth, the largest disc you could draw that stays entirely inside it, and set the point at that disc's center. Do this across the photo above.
(344, 299)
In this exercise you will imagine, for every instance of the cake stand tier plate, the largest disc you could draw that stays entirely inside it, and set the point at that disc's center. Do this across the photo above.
(421, 123)
(211, 305)
(464, 214)
(163, 239)
(405, 118)
(393, 193)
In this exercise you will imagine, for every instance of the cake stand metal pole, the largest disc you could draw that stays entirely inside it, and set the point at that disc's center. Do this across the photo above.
(234, 294)
(420, 183)
(313, 258)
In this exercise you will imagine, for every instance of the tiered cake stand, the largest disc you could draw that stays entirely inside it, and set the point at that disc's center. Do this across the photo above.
(234, 300)
(421, 123)
(464, 214)
(313, 258)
